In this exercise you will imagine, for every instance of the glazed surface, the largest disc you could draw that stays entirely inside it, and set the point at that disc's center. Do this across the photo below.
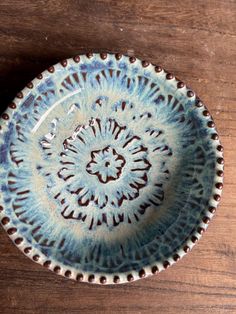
(107, 165)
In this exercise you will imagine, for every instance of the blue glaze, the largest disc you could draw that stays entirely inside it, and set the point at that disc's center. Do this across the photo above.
(106, 167)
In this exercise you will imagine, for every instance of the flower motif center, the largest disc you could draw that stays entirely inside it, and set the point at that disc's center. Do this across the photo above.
(103, 151)
(106, 164)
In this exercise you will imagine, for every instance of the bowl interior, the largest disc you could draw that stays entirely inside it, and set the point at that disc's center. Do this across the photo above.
(107, 166)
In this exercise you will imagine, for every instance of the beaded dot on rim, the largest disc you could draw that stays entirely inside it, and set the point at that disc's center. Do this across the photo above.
(176, 257)
(211, 124)
(194, 239)
(169, 76)
(79, 277)
(180, 84)
(220, 173)
(91, 278)
(51, 69)
(200, 230)
(130, 277)
(215, 136)
(206, 113)
(18, 241)
(11, 231)
(166, 264)
(68, 273)
(220, 161)
(220, 148)
(30, 85)
(36, 257)
(116, 279)
(103, 55)
(217, 197)
(132, 59)
(64, 63)
(57, 269)
(219, 185)
(145, 64)
(212, 209)
(158, 69)
(198, 103)
(206, 219)
(76, 59)
(47, 264)
(5, 116)
(27, 250)
(190, 93)
(12, 105)
(142, 273)
(118, 56)
(5, 220)
(186, 248)
(155, 270)
(103, 280)
(19, 95)
(89, 55)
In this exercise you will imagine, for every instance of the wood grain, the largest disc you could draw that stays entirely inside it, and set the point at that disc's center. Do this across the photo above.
(196, 40)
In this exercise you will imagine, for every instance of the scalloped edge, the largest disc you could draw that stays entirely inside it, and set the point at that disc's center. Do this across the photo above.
(118, 278)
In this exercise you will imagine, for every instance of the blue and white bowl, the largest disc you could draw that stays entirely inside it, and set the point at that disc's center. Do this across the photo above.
(111, 169)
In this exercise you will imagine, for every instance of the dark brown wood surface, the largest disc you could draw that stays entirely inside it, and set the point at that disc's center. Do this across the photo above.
(196, 40)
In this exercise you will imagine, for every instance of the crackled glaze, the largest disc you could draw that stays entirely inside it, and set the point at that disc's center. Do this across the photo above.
(108, 169)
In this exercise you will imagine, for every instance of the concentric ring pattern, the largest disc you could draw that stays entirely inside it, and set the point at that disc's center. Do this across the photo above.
(110, 169)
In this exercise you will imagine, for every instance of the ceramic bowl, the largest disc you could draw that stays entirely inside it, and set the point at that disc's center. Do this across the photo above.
(111, 169)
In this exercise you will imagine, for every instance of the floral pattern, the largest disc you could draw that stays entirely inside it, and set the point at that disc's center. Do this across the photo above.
(106, 164)
(111, 168)
(110, 158)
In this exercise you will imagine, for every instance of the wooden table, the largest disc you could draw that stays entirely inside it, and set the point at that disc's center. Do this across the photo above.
(196, 40)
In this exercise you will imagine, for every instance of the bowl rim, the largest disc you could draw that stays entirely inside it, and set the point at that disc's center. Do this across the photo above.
(115, 278)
